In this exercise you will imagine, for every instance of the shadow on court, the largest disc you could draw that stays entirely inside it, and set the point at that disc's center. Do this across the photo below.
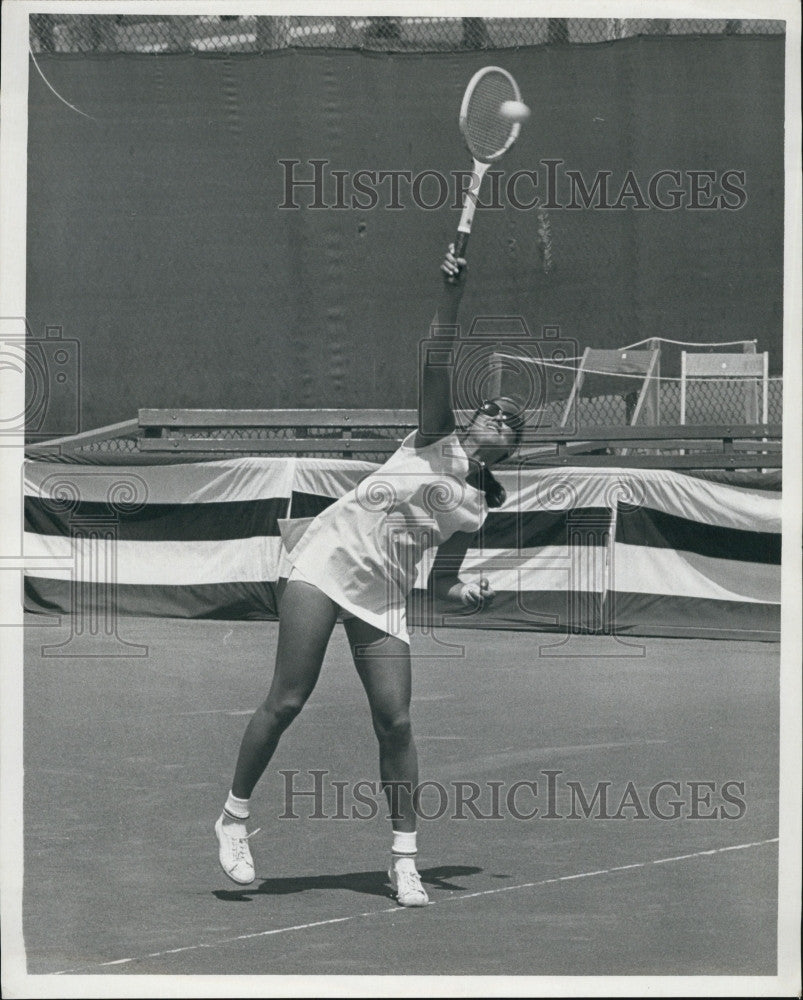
(369, 883)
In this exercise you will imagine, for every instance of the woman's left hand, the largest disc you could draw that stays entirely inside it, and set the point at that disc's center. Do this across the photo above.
(477, 595)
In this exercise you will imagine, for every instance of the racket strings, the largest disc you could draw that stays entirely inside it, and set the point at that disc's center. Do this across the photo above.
(486, 131)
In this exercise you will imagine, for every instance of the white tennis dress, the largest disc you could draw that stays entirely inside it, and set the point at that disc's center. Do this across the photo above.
(364, 551)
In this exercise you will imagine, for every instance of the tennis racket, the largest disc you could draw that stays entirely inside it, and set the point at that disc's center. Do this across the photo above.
(488, 135)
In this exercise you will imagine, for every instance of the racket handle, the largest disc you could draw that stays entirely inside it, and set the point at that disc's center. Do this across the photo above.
(460, 243)
(467, 216)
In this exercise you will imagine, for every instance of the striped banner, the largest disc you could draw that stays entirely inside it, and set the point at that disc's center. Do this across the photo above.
(639, 552)
(196, 540)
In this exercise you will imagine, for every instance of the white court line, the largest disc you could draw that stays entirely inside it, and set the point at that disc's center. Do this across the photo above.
(214, 711)
(395, 909)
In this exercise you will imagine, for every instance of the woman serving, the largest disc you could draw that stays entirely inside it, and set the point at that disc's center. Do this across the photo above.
(360, 558)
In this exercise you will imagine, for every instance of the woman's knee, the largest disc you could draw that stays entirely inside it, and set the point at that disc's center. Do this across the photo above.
(283, 709)
(393, 730)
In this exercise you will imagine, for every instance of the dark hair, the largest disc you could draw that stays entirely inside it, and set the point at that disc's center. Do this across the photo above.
(482, 479)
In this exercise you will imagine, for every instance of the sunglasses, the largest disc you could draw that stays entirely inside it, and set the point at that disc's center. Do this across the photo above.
(490, 409)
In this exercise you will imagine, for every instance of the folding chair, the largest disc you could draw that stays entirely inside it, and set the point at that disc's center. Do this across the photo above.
(601, 372)
(750, 368)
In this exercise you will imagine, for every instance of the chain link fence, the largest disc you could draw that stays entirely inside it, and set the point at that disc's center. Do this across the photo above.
(709, 401)
(152, 33)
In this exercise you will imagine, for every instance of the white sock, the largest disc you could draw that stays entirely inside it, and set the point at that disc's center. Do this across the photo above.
(404, 844)
(236, 810)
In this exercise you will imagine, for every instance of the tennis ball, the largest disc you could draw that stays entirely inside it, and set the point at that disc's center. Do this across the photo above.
(514, 111)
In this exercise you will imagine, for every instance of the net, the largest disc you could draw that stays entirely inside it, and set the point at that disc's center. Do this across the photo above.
(487, 133)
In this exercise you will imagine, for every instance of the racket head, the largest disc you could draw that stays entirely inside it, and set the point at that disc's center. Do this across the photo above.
(487, 134)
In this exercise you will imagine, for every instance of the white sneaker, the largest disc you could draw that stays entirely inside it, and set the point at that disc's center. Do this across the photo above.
(406, 883)
(234, 854)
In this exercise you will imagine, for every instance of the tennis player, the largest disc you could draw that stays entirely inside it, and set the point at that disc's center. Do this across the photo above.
(359, 558)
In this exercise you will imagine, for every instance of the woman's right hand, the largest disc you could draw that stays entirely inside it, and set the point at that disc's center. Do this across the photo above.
(453, 268)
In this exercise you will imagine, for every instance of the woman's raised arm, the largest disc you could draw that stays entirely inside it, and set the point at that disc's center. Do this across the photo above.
(435, 413)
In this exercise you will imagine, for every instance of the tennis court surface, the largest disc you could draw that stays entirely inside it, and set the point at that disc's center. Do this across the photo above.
(128, 760)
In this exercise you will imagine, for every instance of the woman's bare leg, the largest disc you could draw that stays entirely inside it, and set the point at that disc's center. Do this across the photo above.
(306, 619)
(383, 663)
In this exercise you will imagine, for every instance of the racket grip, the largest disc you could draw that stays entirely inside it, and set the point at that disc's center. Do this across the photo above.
(460, 244)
